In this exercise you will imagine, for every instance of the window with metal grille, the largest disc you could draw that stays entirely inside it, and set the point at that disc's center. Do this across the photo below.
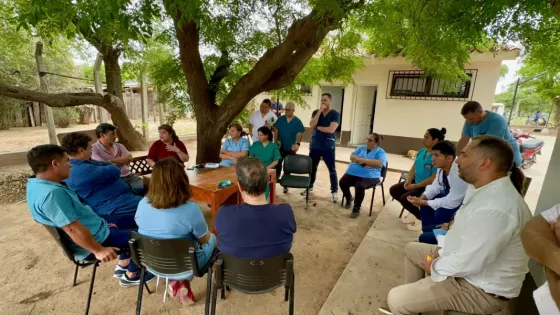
(415, 85)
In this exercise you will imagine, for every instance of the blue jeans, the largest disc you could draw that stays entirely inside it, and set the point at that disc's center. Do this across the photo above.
(329, 158)
(203, 255)
(431, 219)
(118, 238)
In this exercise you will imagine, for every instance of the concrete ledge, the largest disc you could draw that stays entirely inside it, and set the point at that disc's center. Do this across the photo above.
(375, 268)
(13, 158)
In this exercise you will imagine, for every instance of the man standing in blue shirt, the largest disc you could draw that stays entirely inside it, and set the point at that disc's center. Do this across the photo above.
(99, 183)
(254, 229)
(289, 131)
(324, 123)
(277, 108)
(479, 122)
(54, 204)
(364, 172)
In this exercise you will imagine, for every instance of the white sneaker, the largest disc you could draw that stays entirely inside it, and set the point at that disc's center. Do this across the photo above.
(334, 197)
(415, 226)
(408, 219)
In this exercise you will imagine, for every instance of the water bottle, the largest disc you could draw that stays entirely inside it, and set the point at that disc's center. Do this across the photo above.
(224, 183)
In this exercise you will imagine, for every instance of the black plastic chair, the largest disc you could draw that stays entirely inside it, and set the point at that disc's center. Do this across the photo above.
(383, 176)
(254, 276)
(171, 256)
(403, 178)
(62, 241)
(301, 165)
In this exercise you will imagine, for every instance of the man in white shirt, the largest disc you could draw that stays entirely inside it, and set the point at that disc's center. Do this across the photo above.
(482, 264)
(444, 196)
(263, 117)
(541, 239)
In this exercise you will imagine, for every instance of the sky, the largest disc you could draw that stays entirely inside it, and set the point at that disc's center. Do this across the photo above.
(513, 66)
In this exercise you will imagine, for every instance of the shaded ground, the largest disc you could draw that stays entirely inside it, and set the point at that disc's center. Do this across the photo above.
(37, 278)
(22, 139)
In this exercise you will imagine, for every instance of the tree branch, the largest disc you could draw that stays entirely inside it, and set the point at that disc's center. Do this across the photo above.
(280, 64)
(188, 38)
(108, 101)
(222, 70)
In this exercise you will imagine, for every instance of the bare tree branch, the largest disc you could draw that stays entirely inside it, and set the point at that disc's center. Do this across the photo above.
(108, 101)
(222, 70)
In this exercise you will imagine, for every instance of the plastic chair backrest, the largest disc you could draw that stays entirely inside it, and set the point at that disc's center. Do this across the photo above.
(297, 164)
(254, 276)
(58, 236)
(170, 256)
(384, 171)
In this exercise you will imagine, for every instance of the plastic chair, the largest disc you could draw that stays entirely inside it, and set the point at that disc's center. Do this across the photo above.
(171, 256)
(254, 276)
(62, 240)
(403, 178)
(301, 165)
(383, 176)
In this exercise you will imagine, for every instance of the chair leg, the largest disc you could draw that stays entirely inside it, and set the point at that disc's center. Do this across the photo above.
(75, 276)
(147, 289)
(342, 200)
(371, 204)
(383, 192)
(140, 291)
(214, 298)
(286, 293)
(91, 286)
(306, 198)
(402, 211)
(292, 294)
(223, 297)
(208, 291)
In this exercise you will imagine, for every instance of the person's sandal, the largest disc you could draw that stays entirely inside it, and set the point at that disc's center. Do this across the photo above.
(173, 288)
(186, 290)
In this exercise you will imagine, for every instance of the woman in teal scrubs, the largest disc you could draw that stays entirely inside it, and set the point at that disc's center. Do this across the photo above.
(266, 151)
(420, 175)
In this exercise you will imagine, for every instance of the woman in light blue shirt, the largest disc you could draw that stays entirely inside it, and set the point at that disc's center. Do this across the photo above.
(167, 213)
(234, 147)
(420, 175)
(364, 172)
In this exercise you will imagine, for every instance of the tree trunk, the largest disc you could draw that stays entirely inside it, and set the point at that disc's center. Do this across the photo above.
(208, 139)
(129, 137)
(113, 72)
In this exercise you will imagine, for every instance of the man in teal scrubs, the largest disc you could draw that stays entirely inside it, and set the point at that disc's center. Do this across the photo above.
(52, 203)
(479, 122)
(289, 132)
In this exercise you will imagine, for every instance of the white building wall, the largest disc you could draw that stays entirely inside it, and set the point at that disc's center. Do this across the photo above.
(409, 118)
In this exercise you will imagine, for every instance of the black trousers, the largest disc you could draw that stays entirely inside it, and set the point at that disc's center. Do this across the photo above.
(398, 192)
(360, 185)
(328, 156)
(283, 154)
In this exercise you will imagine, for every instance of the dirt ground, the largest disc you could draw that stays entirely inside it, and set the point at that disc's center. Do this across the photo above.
(22, 139)
(37, 277)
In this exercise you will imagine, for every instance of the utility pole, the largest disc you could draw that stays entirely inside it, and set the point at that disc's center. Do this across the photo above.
(145, 106)
(44, 88)
(101, 112)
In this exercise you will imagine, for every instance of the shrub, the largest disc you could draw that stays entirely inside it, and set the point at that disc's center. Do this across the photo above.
(64, 117)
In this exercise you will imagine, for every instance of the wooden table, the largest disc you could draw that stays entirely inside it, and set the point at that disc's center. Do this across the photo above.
(204, 186)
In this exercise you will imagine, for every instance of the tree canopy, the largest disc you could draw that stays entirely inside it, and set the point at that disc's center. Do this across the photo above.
(216, 55)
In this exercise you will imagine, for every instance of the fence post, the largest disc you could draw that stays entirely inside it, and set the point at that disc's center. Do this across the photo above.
(101, 112)
(44, 88)
(145, 129)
